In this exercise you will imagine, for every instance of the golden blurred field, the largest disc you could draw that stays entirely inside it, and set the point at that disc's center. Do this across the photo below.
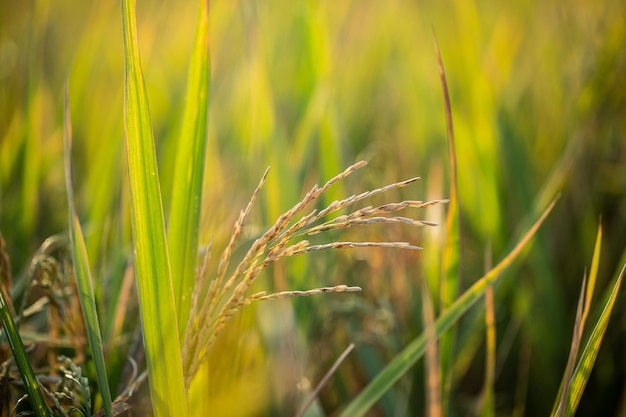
(308, 88)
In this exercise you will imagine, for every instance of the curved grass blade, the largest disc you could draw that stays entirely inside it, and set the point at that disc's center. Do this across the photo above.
(452, 251)
(156, 298)
(414, 351)
(21, 359)
(83, 275)
(588, 357)
(184, 217)
(451, 254)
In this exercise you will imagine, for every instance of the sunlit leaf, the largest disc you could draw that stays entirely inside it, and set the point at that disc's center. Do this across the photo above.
(156, 297)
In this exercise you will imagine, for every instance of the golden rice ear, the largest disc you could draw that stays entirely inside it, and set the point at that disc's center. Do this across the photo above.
(261, 296)
(225, 296)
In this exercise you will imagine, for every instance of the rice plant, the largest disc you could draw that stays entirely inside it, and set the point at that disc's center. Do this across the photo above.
(93, 324)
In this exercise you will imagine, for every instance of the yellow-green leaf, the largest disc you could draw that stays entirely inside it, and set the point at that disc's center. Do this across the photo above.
(588, 357)
(184, 217)
(156, 297)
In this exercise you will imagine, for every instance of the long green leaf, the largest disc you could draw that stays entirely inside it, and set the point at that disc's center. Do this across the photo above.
(184, 215)
(407, 358)
(21, 359)
(156, 297)
(452, 251)
(83, 274)
(588, 357)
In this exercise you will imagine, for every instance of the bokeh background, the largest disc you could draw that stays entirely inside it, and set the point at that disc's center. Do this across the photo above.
(309, 87)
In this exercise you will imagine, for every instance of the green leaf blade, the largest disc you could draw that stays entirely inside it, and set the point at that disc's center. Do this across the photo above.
(21, 359)
(184, 218)
(588, 357)
(156, 298)
(584, 306)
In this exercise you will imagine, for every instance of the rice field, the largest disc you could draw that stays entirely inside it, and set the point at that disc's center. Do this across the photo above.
(457, 241)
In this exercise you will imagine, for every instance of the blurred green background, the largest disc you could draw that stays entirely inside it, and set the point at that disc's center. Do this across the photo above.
(308, 88)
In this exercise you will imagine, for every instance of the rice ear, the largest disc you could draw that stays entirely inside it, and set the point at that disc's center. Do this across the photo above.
(226, 296)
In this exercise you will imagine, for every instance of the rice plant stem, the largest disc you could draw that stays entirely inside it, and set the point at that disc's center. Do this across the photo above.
(325, 380)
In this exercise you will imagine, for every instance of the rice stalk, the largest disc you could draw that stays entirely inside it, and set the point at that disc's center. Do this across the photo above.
(325, 380)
